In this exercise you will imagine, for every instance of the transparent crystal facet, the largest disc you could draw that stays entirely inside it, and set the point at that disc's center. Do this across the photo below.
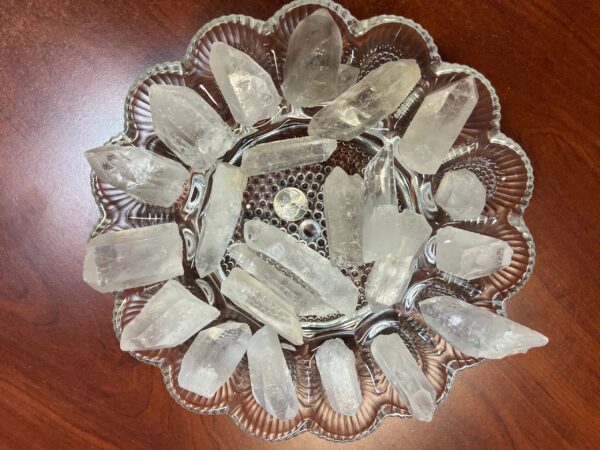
(290, 204)
(347, 76)
(389, 279)
(461, 195)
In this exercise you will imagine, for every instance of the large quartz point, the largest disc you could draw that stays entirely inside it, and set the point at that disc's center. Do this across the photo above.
(477, 331)
(461, 195)
(312, 60)
(272, 384)
(405, 375)
(213, 357)
(370, 100)
(188, 125)
(247, 88)
(221, 216)
(273, 156)
(257, 299)
(470, 255)
(149, 177)
(436, 125)
(170, 317)
(125, 259)
(315, 271)
(337, 367)
(343, 205)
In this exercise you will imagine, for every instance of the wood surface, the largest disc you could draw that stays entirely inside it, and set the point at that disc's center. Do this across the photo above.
(65, 70)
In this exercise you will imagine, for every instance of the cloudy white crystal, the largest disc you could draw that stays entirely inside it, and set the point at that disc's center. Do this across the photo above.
(461, 195)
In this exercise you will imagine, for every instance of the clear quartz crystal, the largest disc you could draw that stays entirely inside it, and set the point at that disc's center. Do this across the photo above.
(343, 205)
(405, 375)
(125, 259)
(247, 88)
(337, 368)
(436, 125)
(213, 357)
(221, 216)
(470, 255)
(149, 177)
(189, 126)
(477, 331)
(170, 317)
(347, 77)
(370, 100)
(272, 384)
(461, 195)
(312, 60)
(290, 204)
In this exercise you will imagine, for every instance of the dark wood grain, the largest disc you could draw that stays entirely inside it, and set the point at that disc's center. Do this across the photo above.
(66, 68)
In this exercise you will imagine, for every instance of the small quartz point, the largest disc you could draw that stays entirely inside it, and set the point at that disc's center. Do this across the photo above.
(213, 357)
(304, 302)
(312, 60)
(170, 318)
(347, 77)
(273, 156)
(247, 88)
(149, 177)
(308, 266)
(265, 305)
(436, 125)
(470, 255)
(370, 100)
(221, 216)
(477, 331)
(337, 367)
(188, 125)
(461, 195)
(272, 384)
(405, 375)
(125, 259)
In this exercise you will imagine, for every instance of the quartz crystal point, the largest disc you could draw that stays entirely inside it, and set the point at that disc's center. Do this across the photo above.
(221, 216)
(312, 60)
(272, 384)
(436, 125)
(170, 317)
(213, 357)
(347, 77)
(343, 205)
(273, 156)
(470, 255)
(370, 100)
(337, 367)
(477, 331)
(461, 195)
(247, 88)
(308, 266)
(193, 131)
(125, 259)
(149, 177)
(257, 299)
(405, 375)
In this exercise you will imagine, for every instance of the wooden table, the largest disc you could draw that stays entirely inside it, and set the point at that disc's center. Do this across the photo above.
(66, 67)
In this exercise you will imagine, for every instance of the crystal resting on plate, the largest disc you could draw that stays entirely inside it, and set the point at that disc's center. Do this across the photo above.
(149, 177)
(477, 331)
(343, 205)
(312, 60)
(337, 368)
(470, 255)
(290, 204)
(221, 216)
(188, 125)
(170, 318)
(461, 195)
(436, 125)
(120, 260)
(272, 384)
(213, 357)
(265, 305)
(370, 100)
(405, 375)
(247, 88)
(347, 77)
(286, 154)
(307, 265)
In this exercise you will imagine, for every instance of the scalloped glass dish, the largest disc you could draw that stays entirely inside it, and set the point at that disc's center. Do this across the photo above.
(498, 161)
